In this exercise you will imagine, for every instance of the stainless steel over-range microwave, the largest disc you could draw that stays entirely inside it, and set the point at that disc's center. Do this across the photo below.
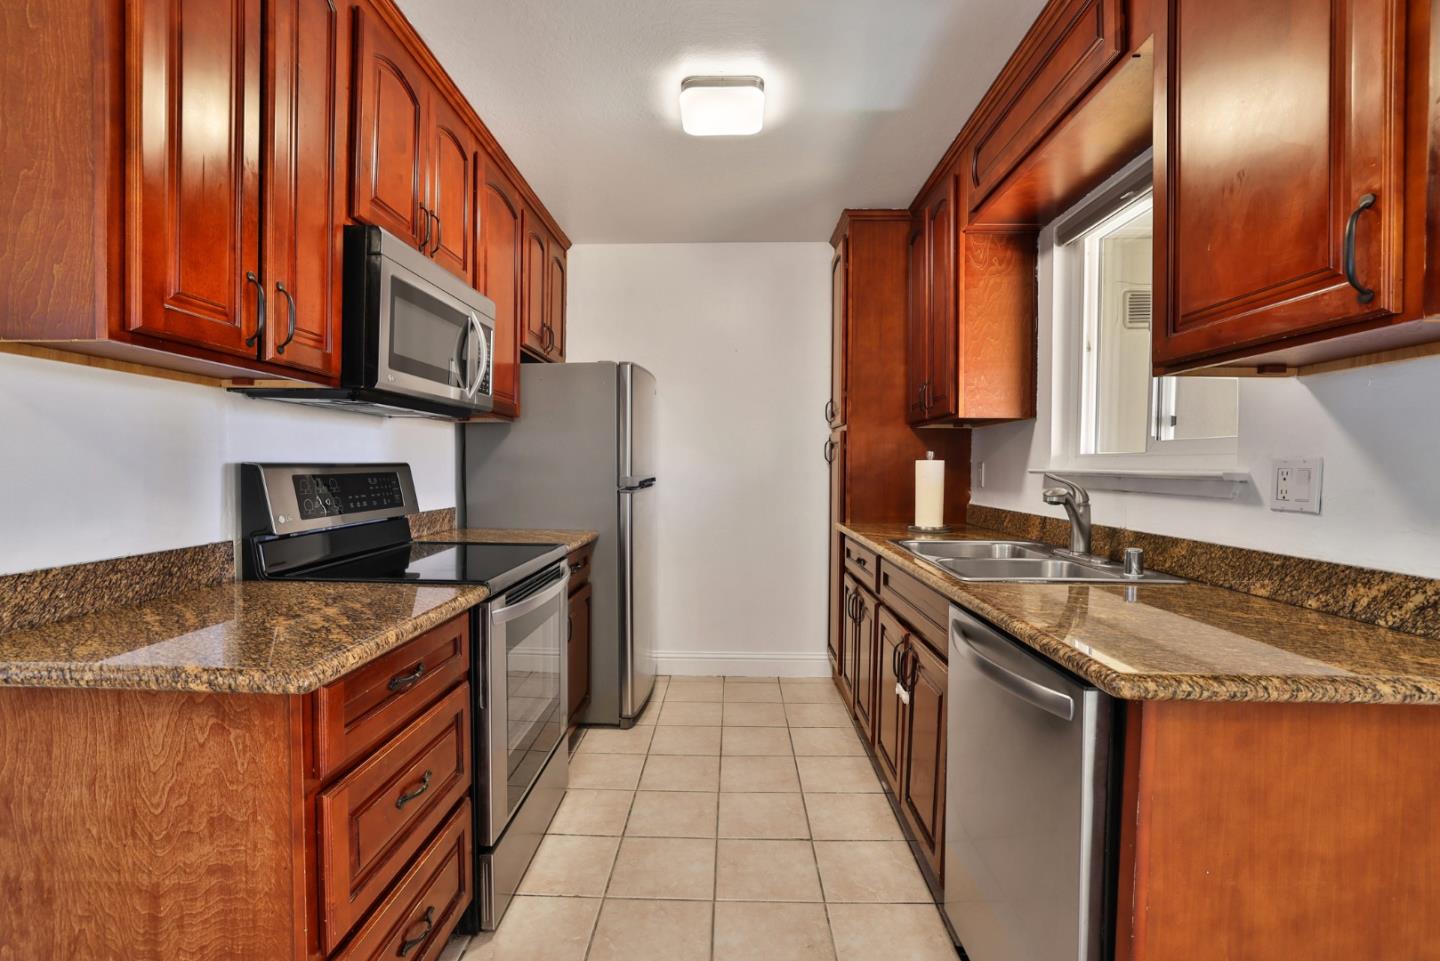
(417, 340)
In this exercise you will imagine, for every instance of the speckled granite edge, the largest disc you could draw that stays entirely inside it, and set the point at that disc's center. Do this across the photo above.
(573, 540)
(33, 598)
(985, 600)
(432, 522)
(1401, 602)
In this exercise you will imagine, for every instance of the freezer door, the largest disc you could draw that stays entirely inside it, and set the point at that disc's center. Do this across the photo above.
(639, 590)
(636, 434)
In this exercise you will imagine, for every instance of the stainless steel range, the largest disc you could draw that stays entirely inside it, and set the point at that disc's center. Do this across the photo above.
(329, 522)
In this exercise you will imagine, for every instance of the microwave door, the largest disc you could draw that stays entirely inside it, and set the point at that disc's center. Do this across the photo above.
(428, 340)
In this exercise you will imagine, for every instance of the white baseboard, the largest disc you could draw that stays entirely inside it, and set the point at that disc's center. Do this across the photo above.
(735, 664)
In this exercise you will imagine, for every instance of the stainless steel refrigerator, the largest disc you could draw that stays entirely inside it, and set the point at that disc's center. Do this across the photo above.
(582, 455)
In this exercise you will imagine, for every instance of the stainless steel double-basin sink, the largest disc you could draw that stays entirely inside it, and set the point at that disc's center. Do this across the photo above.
(1024, 562)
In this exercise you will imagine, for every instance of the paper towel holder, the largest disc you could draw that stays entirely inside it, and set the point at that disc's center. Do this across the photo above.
(918, 529)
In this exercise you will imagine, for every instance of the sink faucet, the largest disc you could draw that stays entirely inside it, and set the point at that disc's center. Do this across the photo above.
(1076, 501)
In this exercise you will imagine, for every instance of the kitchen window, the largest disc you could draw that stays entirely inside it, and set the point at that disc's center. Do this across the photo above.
(1110, 412)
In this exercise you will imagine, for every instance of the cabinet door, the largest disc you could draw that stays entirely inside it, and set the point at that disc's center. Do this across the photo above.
(502, 235)
(555, 278)
(195, 156)
(577, 674)
(304, 176)
(922, 785)
(865, 637)
(836, 409)
(917, 340)
(850, 594)
(890, 714)
(941, 322)
(1263, 169)
(390, 93)
(453, 151)
(532, 310)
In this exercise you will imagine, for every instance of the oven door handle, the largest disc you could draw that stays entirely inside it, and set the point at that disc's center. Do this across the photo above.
(502, 615)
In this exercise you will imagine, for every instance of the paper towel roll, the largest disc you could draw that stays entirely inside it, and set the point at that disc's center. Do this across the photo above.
(929, 491)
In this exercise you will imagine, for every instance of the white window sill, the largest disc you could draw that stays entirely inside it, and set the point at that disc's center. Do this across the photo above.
(1226, 484)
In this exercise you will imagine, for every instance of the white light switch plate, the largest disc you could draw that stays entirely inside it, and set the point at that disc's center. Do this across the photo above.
(1296, 483)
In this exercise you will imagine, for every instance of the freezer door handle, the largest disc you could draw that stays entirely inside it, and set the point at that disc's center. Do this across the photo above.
(635, 483)
(972, 644)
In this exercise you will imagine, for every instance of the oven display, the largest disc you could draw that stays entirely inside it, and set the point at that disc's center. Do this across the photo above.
(328, 495)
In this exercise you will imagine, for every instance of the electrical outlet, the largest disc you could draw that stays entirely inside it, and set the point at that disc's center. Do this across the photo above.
(1297, 484)
(980, 474)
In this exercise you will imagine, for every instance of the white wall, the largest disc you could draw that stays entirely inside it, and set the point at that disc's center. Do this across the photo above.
(97, 464)
(1376, 428)
(737, 336)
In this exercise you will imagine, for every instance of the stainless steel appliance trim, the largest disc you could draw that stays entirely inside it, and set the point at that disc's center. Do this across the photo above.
(277, 485)
(628, 707)
(976, 636)
(503, 865)
(494, 684)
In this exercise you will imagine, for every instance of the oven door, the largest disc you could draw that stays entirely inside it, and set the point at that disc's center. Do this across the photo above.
(522, 712)
(432, 344)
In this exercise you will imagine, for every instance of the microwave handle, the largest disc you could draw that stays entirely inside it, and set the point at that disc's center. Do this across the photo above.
(478, 331)
(458, 362)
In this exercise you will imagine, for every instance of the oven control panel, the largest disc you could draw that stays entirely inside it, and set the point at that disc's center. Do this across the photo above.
(330, 495)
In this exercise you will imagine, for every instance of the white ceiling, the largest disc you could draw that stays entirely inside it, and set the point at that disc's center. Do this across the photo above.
(862, 98)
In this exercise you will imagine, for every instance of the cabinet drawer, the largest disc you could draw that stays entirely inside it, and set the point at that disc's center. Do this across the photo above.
(926, 612)
(415, 921)
(862, 564)
(374, 819)
(1074, 43)
(363, 708)
(579, 562)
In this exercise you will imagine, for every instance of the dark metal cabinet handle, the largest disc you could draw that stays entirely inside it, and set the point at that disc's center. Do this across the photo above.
(409, 796)
(436, 248)
(403, 682)
(410, 944)
(290, 335)
(569, 629)
(864, 564)
(894, 658)
(1363, 294)
(829, 452)
(925, 396)
(911, 674)
(577, 567)
(425, 239)
(830, 411)
(251, 278)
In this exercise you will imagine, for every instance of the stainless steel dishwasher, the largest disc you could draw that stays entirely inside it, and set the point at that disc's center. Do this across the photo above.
(1027, 803)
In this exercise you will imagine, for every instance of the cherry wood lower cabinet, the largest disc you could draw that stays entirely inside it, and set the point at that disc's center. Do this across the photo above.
(925, 678)
(866, 635)
(195, 825)
(889, 740)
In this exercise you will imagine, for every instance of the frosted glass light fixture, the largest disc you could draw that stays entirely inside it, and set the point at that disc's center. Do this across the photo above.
(722, 106)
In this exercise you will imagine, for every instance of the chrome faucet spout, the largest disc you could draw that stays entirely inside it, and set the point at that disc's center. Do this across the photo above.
(1076, 501)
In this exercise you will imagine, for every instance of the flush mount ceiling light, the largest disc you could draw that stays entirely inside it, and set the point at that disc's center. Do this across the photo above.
(722, 106)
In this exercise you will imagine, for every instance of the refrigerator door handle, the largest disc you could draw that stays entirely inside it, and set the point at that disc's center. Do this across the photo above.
(635, 483)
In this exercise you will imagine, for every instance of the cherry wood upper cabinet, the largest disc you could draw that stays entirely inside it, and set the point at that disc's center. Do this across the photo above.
(836, 407)
(304, 211)
(532, 310)
(556, 276)
(450, 192)
(195, 158)
(390, 133)
(917, 320)
(1280, 134)
(1069, 48)
(502, 237)
(940, 316)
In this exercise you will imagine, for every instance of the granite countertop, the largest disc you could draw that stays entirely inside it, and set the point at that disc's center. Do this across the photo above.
(1188, 641)
(258, 637)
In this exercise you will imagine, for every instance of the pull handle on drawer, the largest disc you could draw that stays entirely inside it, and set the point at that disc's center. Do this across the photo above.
(403, 682)
(410, 944)
(409, 796)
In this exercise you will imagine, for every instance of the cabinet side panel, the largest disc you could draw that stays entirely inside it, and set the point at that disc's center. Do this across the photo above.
(146, 825)
(1287, 831)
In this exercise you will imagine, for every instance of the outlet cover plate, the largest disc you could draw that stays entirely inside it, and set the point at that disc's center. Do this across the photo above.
(1296, 483)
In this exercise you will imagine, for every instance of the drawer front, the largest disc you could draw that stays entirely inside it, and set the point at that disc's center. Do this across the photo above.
(363, 708)
(374, 819)
(415, 921)
(924, 611)
(1080, 41)
(580, 561)
(862, 564)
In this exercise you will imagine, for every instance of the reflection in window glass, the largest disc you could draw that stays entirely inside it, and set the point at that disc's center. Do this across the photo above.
(1124, 409)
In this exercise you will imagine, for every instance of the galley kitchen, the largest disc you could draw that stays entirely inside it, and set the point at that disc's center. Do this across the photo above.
(485, 480)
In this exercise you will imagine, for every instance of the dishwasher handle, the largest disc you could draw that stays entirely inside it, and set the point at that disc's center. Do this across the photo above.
(978, 642)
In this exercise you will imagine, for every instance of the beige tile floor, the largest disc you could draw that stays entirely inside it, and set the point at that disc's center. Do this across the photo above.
(738, 821)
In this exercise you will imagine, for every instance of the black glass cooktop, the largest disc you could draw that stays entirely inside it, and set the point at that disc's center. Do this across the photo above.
(437, 562)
